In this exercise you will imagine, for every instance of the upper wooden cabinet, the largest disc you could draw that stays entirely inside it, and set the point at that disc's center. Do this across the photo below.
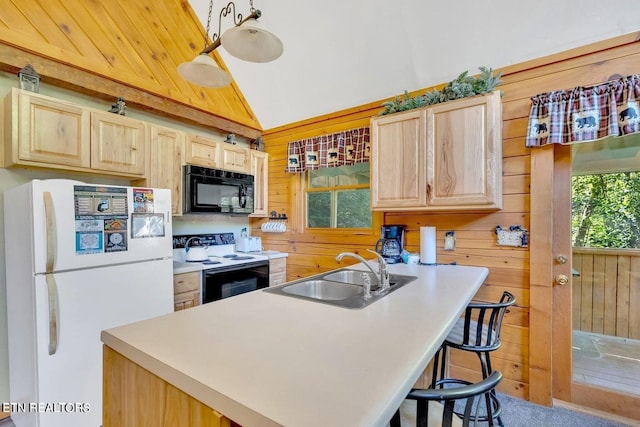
(165, 162)
(260, 172)
(41, 131)
(202, 151)
(444, 157)
(235, 158)
(118, 144)
(398, 166)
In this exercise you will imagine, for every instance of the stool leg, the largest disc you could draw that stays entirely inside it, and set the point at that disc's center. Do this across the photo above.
(395, 420)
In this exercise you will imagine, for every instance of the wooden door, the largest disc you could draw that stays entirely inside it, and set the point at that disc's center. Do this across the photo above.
(550, 322)
(118, 144)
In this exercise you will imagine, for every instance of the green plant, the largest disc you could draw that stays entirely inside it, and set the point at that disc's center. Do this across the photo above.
(463, 86)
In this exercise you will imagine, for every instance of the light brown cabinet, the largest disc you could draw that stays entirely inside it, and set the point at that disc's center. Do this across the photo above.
(186, 290)
(133, 397)
(118, 144)
(235, 158)
(277, 271)
(45, 132)
(202, 151)
(398, 161)
(443, 157)
(41, 130)
(165, 163)
(260, 172)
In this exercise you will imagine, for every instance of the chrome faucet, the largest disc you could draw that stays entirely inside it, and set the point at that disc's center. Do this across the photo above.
(382, 274)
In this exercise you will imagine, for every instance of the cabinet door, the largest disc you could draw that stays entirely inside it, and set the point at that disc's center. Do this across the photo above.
(49, 131)
(260, 172)
(166, 160)
(464, 154)
(398, 169)
(118, 144)
(202, 151)
(234, 158)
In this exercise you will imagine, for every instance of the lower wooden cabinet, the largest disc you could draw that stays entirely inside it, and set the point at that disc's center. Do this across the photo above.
(186, 290)
(277, 271)
(135, 397)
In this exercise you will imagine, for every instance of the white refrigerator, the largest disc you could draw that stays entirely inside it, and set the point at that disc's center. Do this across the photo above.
(80, 258)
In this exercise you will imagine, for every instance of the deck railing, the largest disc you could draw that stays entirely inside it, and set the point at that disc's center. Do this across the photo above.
(606, 293)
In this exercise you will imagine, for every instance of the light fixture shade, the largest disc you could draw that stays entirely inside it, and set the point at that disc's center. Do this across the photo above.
(204, 71)
(251, 42)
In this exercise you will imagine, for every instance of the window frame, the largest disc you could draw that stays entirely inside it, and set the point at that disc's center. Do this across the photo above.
(303, 185)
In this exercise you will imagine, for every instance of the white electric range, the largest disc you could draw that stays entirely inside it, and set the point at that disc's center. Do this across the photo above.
(225, 273)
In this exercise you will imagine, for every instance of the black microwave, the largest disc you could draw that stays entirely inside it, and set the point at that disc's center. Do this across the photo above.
(208, 190)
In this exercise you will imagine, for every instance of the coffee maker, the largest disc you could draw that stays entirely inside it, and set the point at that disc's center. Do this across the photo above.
(391, 244)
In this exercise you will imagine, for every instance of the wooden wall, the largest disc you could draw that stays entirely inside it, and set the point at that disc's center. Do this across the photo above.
(312, 252)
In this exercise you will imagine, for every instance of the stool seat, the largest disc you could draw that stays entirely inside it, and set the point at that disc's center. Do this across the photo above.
(477, 331)
(435, 407)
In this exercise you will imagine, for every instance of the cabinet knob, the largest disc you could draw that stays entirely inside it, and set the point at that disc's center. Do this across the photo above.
(562, 279)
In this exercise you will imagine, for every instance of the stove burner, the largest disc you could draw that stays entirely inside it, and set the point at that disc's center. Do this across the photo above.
(210, 261)
(234, 257)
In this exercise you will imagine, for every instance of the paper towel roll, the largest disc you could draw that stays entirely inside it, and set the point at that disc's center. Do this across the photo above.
(427, 245)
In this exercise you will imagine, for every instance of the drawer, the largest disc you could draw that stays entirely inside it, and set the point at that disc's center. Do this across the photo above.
(278, 265)
(277, 278)
(186, 282)
(186, 300)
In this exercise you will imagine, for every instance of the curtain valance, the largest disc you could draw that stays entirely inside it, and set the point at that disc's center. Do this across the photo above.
(585, 113)
(338, 149)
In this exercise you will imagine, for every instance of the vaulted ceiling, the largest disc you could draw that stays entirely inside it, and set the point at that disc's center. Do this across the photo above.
(128, 49)
(338, 54)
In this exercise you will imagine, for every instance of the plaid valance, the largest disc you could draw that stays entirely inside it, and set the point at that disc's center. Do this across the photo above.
(585, 113)
(327, 151)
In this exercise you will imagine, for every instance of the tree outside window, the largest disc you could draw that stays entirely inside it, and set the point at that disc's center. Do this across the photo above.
(606, 210)
(338, 197)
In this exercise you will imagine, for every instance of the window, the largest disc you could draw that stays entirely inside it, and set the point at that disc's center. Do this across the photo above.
(338, 197)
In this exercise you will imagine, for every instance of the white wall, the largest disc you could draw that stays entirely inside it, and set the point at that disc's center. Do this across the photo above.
(12, 177)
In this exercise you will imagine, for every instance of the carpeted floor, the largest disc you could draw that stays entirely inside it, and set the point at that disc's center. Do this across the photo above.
(520, 413)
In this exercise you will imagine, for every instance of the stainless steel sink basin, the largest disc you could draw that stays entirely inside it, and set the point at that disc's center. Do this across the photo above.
(352, 276)
(342, 288)
(323, 290)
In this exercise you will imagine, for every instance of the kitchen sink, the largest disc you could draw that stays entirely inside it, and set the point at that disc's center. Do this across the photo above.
(342, 288)
(323, 290)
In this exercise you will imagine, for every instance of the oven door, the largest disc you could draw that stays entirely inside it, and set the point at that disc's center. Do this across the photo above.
(225, 282)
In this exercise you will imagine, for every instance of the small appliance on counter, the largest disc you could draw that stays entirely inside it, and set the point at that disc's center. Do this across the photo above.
(249, 244)
(391, 244)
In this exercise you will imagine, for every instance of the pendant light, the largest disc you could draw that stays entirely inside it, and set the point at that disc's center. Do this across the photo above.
(246, 40)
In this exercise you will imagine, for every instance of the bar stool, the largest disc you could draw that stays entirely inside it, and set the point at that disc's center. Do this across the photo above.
(435, 406)
(478, 331)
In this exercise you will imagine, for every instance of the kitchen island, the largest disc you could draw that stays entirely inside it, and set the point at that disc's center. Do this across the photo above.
(262, 359)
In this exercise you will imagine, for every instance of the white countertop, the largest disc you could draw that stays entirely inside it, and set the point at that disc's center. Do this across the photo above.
(263, 359)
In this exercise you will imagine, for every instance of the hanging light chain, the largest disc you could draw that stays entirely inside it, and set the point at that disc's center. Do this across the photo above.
(206, 36)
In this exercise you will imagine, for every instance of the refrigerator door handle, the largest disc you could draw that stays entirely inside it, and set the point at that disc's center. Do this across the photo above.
(52, 289)
(51, 231)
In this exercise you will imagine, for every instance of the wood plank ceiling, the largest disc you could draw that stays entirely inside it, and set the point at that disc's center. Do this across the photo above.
(128, 49)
